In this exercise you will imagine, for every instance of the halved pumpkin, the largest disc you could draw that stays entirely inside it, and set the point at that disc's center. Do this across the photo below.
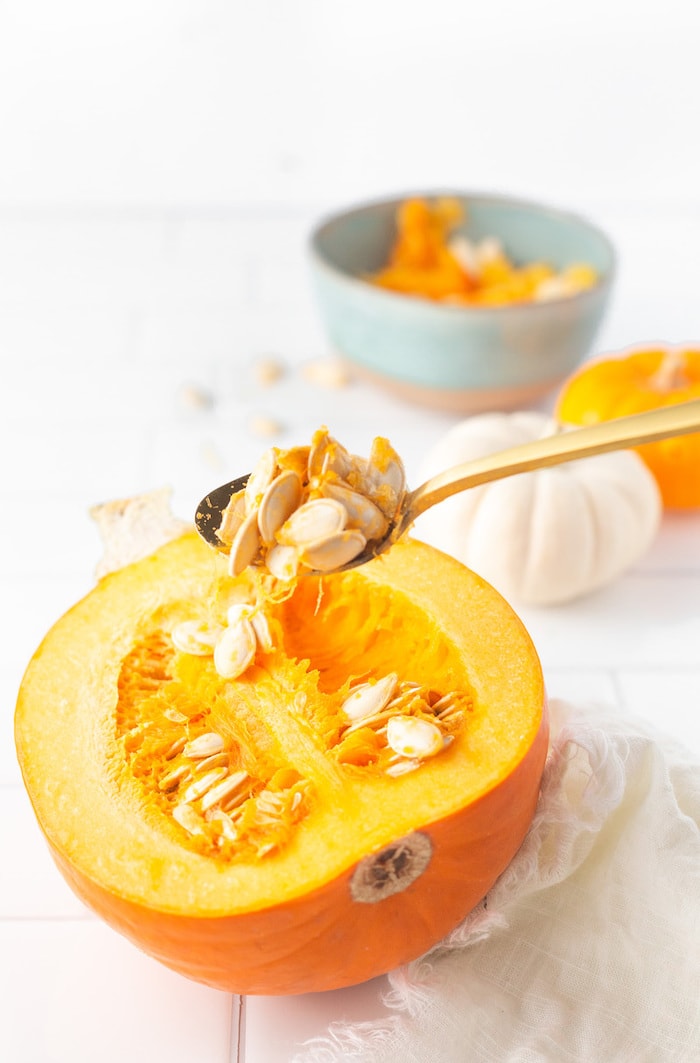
(337, 870)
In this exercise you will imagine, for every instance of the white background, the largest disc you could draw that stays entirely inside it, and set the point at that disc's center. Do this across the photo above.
(178, 103)
(160, 167)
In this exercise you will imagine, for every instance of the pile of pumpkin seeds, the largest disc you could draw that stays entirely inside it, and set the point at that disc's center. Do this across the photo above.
(312, 508)
(224, 805)
(233, 645)
(400, 724)
(305, 509)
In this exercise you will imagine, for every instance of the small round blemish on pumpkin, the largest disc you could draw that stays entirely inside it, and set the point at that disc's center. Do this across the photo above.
(392, 869)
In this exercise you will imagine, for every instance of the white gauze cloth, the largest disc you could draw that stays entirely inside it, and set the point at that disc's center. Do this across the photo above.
(587, 948)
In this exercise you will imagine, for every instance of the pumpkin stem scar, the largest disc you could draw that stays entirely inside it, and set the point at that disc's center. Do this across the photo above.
(392, 869)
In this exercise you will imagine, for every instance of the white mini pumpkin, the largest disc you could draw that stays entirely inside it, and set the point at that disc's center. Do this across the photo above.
(545, 536)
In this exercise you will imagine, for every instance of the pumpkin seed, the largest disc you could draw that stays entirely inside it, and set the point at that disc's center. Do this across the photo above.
(244, 611)
(282, 562)
(173, 779)
(315, 520)
(174, 715)
(446, 701)
(204, 745)
(221, 820)
(186, 816)
(368, 699)
(382, 477)
(279, 501)
(402, 767)
(362, 512)
(200, 786)
(233, 805)
(197, 637)
(377, 722)
(262, 632)
(406, 698)
(327, 457)
(327, 374)
(450, 715)
(232, 518)
(224, 789)
(260, 479)
(235, 650)
(239, 611)
(216, 760)
(177, 747)
(331, 553)
(264, 427)
(387, 466)
(269, 803)
(413, 738)
(246, 546)
(268, 370)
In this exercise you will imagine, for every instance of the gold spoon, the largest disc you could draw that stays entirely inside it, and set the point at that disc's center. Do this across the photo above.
(619, 434)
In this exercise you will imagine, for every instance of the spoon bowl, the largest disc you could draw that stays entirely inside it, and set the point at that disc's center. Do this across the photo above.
(210, 510)
(619, 434)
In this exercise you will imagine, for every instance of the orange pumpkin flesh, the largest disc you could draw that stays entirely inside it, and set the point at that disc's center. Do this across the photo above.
(632, 383)
(313, 912)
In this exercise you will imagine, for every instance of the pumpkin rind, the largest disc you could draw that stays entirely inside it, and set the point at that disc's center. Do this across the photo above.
(288, 922)
(635, 381)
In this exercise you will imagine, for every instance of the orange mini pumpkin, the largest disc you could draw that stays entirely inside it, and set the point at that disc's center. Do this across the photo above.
(635, 381)
(255, 833)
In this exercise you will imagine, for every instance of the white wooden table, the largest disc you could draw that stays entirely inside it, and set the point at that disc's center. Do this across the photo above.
(114, 333)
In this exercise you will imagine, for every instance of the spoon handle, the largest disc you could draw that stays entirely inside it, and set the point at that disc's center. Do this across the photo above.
(553, 450)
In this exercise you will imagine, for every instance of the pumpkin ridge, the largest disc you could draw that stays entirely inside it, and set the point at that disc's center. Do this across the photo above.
(529, 528)
(598, 566)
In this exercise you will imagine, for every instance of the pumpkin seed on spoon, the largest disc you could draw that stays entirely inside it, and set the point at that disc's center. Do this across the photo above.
(310, 509)
(381, 481)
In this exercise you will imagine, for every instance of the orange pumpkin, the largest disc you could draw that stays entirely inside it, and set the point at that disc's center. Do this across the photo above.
(322, 867)
(635, 381)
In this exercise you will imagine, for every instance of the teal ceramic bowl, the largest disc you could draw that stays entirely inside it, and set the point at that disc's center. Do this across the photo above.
(454, 357)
